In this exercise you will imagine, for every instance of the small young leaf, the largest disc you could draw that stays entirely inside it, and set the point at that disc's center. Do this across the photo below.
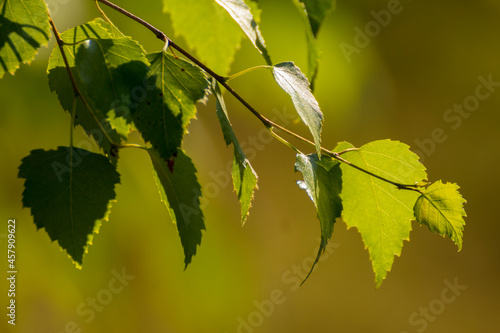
(24, 28)
(323, 183)
(440, 208)
(163, 116)
(380, 211)
(208, 29)
(294, 83)
(181, 192)
(242, 14)
(69, 191)
(244, 177)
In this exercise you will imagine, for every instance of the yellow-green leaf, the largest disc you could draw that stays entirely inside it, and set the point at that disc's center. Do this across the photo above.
(440, 207)
(208, 29)
(380, 211)
(24, 28)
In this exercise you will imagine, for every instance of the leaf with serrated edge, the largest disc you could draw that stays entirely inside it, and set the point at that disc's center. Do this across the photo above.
(244, 177)
(323, 184)
(24, 28)
(164, 114)
(290, 78)
(69, 191)
(108, 71)
(181, 193)
(440, 207)
(380, 211)
(208, 29)
(242, 14)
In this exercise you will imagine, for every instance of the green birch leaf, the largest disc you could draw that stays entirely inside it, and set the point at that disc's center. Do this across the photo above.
(69, 191)
(208, 29)
(170, 104)
(313, 12)
(323, 184)
(24, 28)
(181, 192)
(440, 207)
(100, 63)
(97, 29)
(244, 176)
(380, 211)
(242, 14)
(290, 78)
(317, 11)
(117, 67)
(314, 53)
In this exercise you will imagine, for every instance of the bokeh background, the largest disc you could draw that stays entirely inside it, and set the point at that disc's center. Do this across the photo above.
(427, 59)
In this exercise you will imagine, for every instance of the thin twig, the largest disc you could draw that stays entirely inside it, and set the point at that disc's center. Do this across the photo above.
(222, 80)
(60, 43)
(74, 85)
(347, 150)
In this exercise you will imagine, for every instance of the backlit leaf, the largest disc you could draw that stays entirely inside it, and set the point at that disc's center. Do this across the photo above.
(164, 114)
(69, 191)
(181, 193)
(290, 78)
(244, 177)
(313, 54)
(208, 29)
(323, 183)
(440, 208)
(242, 14)
(24, 28)
(317, 11)
(381, 212)
(100, 63)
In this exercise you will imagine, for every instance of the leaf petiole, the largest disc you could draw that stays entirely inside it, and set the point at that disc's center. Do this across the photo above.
(283, 141)
(245, 71)
(103, 13)
(131, 145)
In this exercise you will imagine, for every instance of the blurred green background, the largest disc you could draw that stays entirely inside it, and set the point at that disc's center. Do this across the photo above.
(399, 86)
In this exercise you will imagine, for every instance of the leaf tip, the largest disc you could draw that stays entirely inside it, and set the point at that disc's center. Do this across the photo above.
(320, 251)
